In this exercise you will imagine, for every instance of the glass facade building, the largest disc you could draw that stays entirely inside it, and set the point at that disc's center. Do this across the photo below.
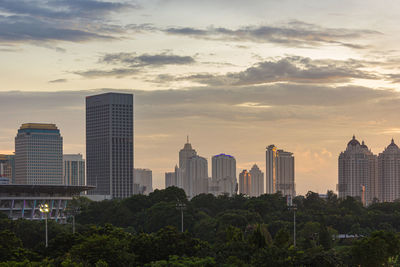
(74, 169)
(109, 144)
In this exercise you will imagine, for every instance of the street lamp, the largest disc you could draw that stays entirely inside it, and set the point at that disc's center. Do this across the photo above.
(181, 206)
(44, 208)
(293, 207)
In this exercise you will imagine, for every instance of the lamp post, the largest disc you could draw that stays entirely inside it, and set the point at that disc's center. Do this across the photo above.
(44, 208)
(294, 208)
(181, 206)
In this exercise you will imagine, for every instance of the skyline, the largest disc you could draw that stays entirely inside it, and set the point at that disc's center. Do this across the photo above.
(235, 77)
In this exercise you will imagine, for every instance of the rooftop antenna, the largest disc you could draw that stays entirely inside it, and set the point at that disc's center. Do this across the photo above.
(187, 139)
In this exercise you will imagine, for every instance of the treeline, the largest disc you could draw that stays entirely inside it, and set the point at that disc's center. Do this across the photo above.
(218, 231)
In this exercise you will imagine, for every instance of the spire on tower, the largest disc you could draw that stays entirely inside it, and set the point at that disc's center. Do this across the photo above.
(187, 139)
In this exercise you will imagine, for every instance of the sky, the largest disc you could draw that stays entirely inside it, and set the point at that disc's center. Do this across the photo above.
(236, 76)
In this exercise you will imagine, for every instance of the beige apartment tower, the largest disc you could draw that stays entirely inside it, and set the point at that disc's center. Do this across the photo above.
(279, 171)
(358, 172)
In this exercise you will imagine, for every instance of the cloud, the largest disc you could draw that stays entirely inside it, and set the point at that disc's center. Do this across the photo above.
(134, 60)
(42, 21)
(116, 72)
(294, 33)
(293, 69)
(131, 63)
(58, 81)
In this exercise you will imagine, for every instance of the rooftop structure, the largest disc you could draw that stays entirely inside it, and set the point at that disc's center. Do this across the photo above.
(22, 201)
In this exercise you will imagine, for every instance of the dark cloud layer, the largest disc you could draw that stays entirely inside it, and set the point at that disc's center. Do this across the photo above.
(63, 20)
(131, 63)
(295, 33)
(134, 60)
(293, 69)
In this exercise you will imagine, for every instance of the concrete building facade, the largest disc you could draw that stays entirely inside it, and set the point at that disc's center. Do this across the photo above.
(280, 171)
(74, 169)
(39, 154)
(143, 180)
(109, 145)
(224, 174)
(257, 181)
(389, 173)
(358, 172)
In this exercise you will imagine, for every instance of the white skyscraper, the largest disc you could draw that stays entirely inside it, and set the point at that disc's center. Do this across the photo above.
(224, 174)
(197, 173)
(280, 171)
(74, 169)
(143, 181)
(257, 181)
(358, 172)
(389, 173)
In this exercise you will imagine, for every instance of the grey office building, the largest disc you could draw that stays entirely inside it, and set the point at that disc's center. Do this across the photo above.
(39, 154)
(109, 145)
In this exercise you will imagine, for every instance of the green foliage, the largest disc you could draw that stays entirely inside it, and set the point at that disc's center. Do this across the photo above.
(219, 231)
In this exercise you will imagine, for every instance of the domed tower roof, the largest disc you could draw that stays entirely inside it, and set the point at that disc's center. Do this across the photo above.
(353, 142)
(363, 145)
(392, 145)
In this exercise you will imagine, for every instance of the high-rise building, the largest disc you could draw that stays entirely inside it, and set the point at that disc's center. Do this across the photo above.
(197, 174)
(280, 171)
(74, 169)
(257, 181)
(224, 174)
(143, 178)
(39, 154)
(174, 178)
(7, 168)
(245, 183)
(109, 145)
(389, 173)
(358, 172)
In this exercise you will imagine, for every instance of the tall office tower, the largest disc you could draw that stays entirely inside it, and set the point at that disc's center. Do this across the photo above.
(280, 171)
(197, 173)
(109, 145)
(245, 183)
(8, 168)
(257, 178)
(224, 174)
(184, 155)
(74, 169)
(389, 173)
(38, 154)
(144, 179)
(358, 172)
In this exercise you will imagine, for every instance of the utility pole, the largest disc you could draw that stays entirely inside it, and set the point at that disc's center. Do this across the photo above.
(44, 208)
(181, 206)
(292, 207)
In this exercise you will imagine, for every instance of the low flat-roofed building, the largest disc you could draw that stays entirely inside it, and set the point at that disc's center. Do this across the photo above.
(22, 201)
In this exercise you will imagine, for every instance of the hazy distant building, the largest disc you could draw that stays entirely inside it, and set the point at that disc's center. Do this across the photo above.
(257, 181)
(389, 173)
(224, 174)
(74, 169)
(358, 172)
(279, 171)
(39, 154)
(143, 180)
(245, 183)
(170, 179)
(7, 168)
(109, 145)
(174, 178)
(197, 173)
